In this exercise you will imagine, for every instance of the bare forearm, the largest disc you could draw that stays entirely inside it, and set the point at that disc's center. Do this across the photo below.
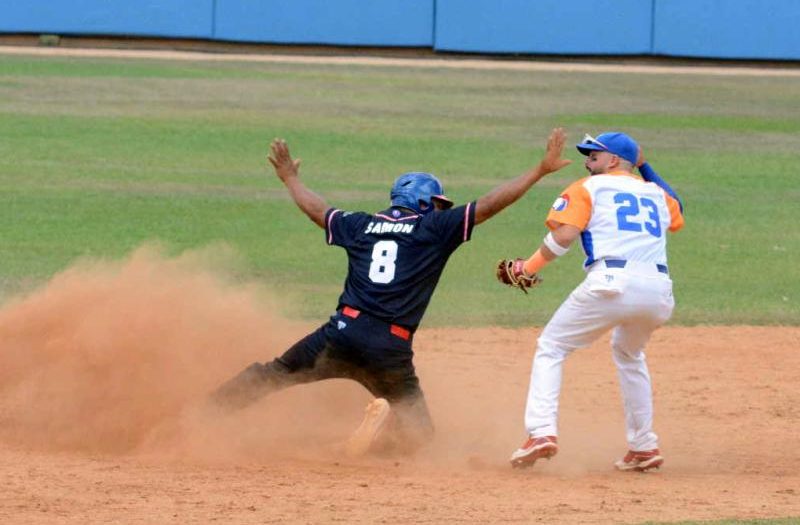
(309, 202)
(506, 194)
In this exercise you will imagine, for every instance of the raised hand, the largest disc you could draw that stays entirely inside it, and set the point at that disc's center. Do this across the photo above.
(552, 160)
(281, 160)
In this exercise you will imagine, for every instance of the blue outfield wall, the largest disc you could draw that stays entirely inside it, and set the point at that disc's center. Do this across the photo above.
(405, 23)
(585, 27)
(743, 29)
(758, 29)
(163, 18)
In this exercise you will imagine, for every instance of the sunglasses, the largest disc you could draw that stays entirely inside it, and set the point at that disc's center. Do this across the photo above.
(588, 139)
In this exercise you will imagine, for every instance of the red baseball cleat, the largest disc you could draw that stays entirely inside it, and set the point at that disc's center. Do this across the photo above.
(640, 461)
(534, 448)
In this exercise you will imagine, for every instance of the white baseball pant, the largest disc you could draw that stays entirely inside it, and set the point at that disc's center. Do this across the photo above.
(634, 301)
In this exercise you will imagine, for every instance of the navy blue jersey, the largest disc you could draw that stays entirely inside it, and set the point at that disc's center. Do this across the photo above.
(395, 257)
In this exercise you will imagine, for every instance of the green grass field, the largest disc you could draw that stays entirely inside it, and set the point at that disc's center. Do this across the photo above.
(98, 156)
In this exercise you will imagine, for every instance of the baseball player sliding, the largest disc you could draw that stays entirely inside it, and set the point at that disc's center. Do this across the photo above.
(622, 220)
(395, 259)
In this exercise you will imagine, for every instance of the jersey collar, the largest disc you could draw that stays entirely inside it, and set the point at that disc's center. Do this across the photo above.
(623, 173)
(397, 213)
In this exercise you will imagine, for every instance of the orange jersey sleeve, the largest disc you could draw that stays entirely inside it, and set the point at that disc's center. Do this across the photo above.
(573, 206)
(675, 215)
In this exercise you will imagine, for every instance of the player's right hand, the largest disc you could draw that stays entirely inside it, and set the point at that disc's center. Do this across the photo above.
(552, 160)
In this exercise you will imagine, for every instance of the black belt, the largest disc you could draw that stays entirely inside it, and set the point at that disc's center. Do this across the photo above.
(620, 263)
(395, 329)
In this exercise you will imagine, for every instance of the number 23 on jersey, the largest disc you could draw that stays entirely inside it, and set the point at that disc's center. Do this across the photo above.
(628, 211)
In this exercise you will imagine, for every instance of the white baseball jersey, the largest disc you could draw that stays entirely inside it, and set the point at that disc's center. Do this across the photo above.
(623, 221)
(620, 216)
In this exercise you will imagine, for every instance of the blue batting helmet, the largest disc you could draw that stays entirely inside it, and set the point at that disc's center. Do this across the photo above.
(417, 191)
(613, 142)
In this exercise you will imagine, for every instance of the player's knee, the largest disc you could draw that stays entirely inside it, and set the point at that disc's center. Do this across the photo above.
(626, 355)
(412, 424)
(547, 348)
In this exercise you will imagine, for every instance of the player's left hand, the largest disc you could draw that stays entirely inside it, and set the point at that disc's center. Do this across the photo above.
(281, 160)
(512, 273)
(640, 158)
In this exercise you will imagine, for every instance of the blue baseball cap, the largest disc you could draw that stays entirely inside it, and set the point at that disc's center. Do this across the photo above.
(613, 142)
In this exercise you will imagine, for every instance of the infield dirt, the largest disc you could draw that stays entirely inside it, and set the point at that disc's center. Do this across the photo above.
(104, 369)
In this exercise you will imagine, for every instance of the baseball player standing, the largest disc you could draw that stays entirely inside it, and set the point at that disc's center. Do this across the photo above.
(395, 259)
(622, 220)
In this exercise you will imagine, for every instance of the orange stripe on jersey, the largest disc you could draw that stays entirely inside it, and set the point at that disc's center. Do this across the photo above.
(675, 215)
(573, 206)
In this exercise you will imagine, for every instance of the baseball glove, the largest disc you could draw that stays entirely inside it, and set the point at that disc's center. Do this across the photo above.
(511, 272)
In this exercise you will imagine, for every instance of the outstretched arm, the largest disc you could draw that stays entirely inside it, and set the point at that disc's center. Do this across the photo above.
(288, 171)
(506, 194)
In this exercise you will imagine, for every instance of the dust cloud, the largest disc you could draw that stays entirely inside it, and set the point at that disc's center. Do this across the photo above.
(117, 357)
